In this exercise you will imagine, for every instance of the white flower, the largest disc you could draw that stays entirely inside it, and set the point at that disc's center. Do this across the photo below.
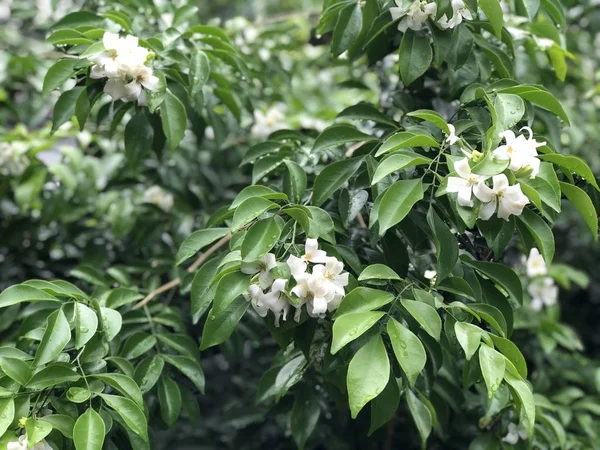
(514, 434)
(324, 288)
(520, 151)
(13, 158)
(111, 61)
(311, 254)
(543, 43)
(509, 199)
(263, 267)
(267, 123)
(451, 138)
(465, 184)
(22, 444)
(159, 197)
(272, 301)
(116, 89)
(430, 274)
(542, 292)
(142, 78)
(536, 266)
(416, 15)
(460, 12)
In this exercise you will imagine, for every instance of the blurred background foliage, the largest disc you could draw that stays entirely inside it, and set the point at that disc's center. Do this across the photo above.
(71, 207)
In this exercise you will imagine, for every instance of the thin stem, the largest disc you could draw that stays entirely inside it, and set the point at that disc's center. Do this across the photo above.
(177, 281)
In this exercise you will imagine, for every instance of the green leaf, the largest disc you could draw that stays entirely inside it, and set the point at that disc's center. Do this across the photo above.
(139, 136)
(384, 406)
(249, 210)
(138, 344)
(469, 337)
(446, 246)
(363, 299)
(7, 414)
(461, 47)
(510, 109)
(181, 343)
(378, 272)
(60, 422)
(425, 315)
(492, 316)
(492, 368)
(131, 414)
(347, 29)
(148, 371)
(89, 430)
(332, 178)
(121, 297)
(542, 98)
(321, 224)
(53, 375)
(584, 205)
(366, 111)
(198, 240)
(169, 399)
(261, 238)
(397, 201)
(304, 416)
(415, 56)
(68, 37)
(351, 326)
(398, 161)
(256, 191)
(189, 367)
(522, 392)
(433, 117)
(294, 181)
(527, 8)
(22, 293)
(174, 119)
(512, 353)
(112, 322)
(56, 337)
(502, 275)
(86, 324)
(572, 164)
(60, 72)
(406, 139)
(202, 294)
(199, 71)
(16, 369)
(218, 328)
(229, 288)
(541, 233)
(408, 349)
(337, 135)
(65, 107)
(76, 19)
(124, 384)
(368, 374)
(494, 13)
(36, 429)
(421, 415)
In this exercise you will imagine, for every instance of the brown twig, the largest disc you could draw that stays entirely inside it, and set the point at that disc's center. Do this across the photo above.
(177, 281)
(361, 221)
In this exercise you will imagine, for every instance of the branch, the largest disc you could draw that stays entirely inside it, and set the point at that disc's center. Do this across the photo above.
(177, 281)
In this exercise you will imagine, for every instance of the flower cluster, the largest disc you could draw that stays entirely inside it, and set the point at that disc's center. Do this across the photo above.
(542, 289)
(123, 62)
(521, 154)
(321, 289)
(13, 158)
(22, 444)
(514, 434)
(420, 11)
(157, 196)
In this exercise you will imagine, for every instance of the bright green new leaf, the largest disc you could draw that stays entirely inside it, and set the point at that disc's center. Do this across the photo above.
(363, 299)
(494, 13)
(23, 293)
(7, 413)
(368, 374)
(16, 369)
(425, 315)
(89, 430)
(351, 326)
(492, 367)
(53, 375)
(469, 337)
(378, 272)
